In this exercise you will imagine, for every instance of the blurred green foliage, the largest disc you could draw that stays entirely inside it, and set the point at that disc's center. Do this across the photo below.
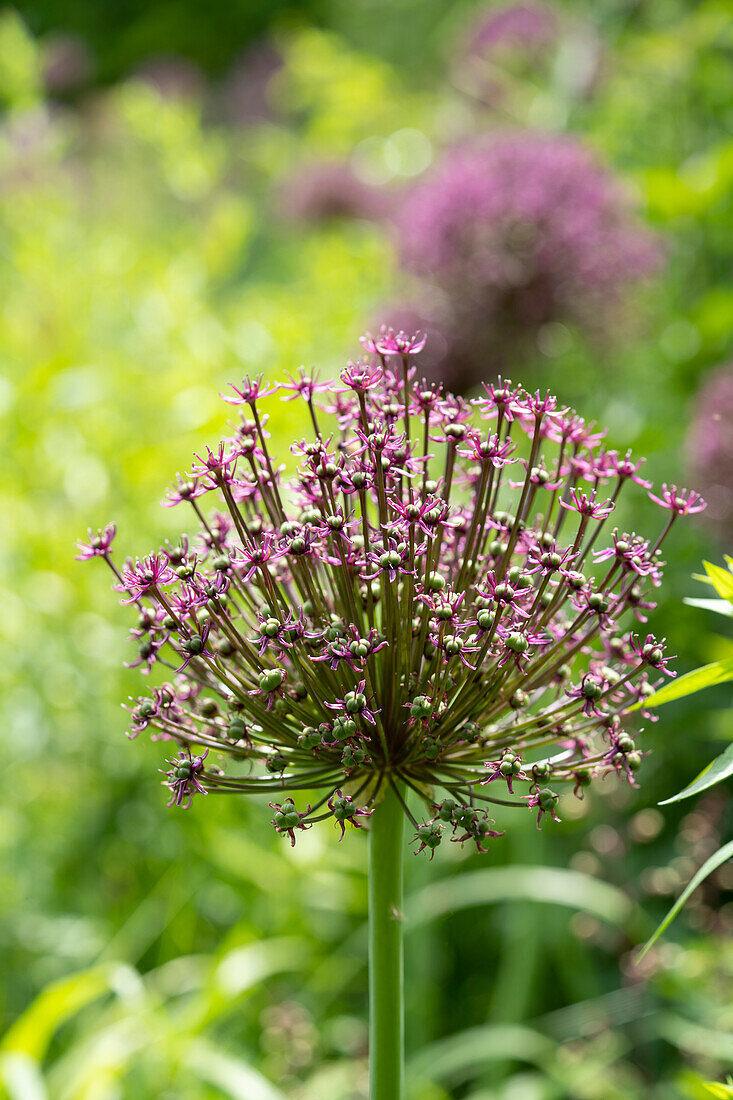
(144, 263)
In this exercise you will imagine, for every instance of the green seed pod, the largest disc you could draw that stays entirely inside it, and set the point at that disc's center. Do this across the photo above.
(430, 834)
(272, 679)
(548, 800)
(276, 763)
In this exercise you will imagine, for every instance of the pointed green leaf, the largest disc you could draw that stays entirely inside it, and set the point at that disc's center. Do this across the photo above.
(717, 770)
(721, 607)
(717, 859)
(721, 580)
(719, 672)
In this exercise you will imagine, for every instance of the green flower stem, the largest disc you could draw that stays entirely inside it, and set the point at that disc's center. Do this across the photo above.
(386, 967)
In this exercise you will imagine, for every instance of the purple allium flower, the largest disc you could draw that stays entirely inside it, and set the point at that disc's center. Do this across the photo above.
(531, 26)
(512, 236)
(173, 76)
(182, 778)
(710, 447)
(389, 342)
(67, 64)
(681, 502)
(401, 613)
(99, 543)
(509, 50)
(286, 819)
(142, 577)
(331, 189)
(245, 94)
(585, 504)
(344, 809)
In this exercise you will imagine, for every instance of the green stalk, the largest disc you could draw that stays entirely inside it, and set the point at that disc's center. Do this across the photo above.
(386, 968)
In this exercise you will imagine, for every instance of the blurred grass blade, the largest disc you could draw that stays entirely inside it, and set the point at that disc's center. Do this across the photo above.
(717, 770)
(554, 885)
(716, 860)
(696, 1038)
(721, 580)
(32, 1032)
(229, 1074)
(718, 1091)
(459, 1057)
(21, 1078)
(722, 607)
(719, 672)
(243, 967)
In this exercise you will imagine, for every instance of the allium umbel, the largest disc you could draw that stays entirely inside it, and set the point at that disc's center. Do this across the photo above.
(428, 605)
(510, 236)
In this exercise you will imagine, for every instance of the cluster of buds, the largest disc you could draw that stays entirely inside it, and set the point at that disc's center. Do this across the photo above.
(426, 606)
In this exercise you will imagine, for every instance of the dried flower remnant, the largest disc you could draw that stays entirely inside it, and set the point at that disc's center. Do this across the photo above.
(425, 606)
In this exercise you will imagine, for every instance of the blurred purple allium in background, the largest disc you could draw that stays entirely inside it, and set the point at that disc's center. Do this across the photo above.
(67, 64)
(245, 94)
(331, 189)
(531, 27)
(507, 52)
(710, 445)
(511, 236)
(172, 76)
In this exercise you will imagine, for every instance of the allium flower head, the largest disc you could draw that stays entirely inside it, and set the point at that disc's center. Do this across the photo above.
(509, 51)
(331, 189)
(406, 612)
(523, 232)
(530, 26)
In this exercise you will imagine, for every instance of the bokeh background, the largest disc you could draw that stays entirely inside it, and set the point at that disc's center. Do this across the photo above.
(189, 193)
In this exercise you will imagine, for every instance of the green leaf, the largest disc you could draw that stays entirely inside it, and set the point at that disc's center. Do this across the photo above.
(554, 885)
(695, 1038)
(719, 672)
(721, 580)
(717, 859)
(247, 966)
(21, 1077)
(717, 770)
(229, 1074)
(32, 1032)
(717, 1091)
(459, 1057)
(721, 607)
